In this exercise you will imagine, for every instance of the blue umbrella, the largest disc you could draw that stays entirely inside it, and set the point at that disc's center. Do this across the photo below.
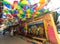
(42, 10)
(4, 16)
(15, 11)
(27, 7)
(8, 6)
(32, 8)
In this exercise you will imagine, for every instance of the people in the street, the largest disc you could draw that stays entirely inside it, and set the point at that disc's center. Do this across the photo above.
(10, 25)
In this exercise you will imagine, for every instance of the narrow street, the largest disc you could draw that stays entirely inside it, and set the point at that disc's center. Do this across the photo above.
(29, 21)
(12, 40)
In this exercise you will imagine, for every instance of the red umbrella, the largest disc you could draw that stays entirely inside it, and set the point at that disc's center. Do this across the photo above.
(1, 20)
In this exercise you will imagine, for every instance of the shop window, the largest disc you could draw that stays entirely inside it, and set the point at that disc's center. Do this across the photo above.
(37, 29)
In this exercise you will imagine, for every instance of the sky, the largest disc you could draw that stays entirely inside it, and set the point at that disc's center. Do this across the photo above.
(54, 5)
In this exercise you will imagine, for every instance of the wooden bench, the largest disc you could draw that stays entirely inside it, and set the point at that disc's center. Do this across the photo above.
(41, 39)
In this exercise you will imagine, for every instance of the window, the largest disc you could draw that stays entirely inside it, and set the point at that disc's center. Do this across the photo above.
(37, 29)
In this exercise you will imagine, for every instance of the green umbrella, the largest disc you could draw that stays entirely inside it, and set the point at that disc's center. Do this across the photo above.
(45, 11)
(19, 8)
(24, 19)
(12, 11)
(5, 2)
(21, 4)
(6, 11)
(31, 12)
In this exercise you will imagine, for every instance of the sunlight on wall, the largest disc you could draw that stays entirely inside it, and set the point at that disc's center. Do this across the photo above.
(32, 2)
(53, 5)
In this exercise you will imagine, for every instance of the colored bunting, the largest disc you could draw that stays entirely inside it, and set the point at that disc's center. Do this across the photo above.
(23, 10)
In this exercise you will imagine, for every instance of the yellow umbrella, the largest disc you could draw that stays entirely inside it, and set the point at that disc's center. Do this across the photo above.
(24, 1)
(19, 15)
(38, 13)
(42, 1)
(21, 12)
(28, 11)
(28, 15)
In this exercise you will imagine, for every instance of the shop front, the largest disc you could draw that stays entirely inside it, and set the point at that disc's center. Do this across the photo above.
(42, 28)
